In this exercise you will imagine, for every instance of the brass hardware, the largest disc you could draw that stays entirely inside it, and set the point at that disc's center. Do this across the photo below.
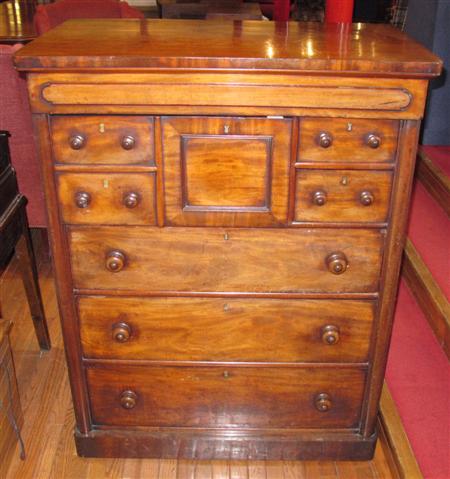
(101, 128)
(344, 180)
(128, 142)
(325, 140)
(349, 126)
(115, 261)
(77, 142)
(226, 374)
(105, 184)
(131, 200)
(373, 141)
(337, 263)
(366, 198)
(330, 334)
(226, 129)
(82, 199)
(319, 197)
(226, 237)
(128, 399)
(121, 332)
(226, 307)
(323, 402)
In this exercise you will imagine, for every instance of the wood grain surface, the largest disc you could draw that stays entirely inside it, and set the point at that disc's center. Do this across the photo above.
(241, 329)
(215, 260)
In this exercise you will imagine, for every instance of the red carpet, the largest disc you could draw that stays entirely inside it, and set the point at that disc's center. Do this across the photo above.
(429, 230)
(440, 156)
(418, 375)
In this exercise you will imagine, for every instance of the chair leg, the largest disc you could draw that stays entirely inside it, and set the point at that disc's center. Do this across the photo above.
(28, 269)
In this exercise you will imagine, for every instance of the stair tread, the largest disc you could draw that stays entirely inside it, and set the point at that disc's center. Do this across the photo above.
(429, 231)
(440, 156)
(418, 375)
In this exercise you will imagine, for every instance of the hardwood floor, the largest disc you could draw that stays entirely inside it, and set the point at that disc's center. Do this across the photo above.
(48, 418)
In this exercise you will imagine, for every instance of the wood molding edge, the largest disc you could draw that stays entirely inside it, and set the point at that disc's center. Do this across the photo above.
(430, 297)
(434, 180)
(402, 460)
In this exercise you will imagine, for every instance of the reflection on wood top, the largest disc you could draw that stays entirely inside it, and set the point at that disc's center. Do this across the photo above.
(356, 49)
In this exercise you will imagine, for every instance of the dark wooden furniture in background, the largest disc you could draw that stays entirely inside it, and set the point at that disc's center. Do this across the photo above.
(227, 229)
(15, 237)
(11, 418)
(16, 21)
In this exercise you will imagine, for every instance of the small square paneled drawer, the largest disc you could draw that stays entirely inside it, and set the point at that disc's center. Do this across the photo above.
(284, 260)
(113, 140)
(226, 171)
(247, 329)
(342, 195)
(269, 397)
(109, 198)
(347, 140)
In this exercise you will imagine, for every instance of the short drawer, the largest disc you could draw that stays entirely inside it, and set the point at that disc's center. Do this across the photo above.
(109, 198)
(347, 140)
(222, 396)
(115, 140)
(225, 329)
(342, 195)
(206, 259)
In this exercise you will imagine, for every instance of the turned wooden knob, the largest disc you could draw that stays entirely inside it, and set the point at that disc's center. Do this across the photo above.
(373, 141)
(77, 142)
(323, 402)
(337, 263)
(330, 334)
(319, 198)
(82, 199)
(131, 200)
(366, 198)
(128, 399)
(325, 140)
(128, 142)
(121, 332)
(115, 261)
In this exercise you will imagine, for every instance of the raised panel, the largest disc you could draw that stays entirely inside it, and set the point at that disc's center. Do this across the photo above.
(226, 171)
(214, 177)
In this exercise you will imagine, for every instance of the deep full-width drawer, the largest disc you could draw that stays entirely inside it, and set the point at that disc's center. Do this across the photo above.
(222, 396)
(342, 195)
(109, 198)
(347, 140)
(225, 329)
(221, 260)
(103, 140)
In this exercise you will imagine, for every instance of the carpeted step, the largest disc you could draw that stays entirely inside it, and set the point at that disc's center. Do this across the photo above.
(418, 375)
(429, 231)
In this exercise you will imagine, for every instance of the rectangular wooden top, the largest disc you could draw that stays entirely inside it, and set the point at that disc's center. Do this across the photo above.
(306, 48)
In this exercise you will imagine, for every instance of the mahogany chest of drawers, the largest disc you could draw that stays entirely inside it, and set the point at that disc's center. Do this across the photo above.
(227, 206)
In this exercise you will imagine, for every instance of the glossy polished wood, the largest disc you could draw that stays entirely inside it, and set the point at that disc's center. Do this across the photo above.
(204, 259)
(180, 329)
(358, 49)
(182, 337)
(16, 21)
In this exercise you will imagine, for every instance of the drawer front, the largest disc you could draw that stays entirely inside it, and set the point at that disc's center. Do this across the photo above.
(353, 140)
(217, 329)
(342, 195)
(109, 198)
(226, 171)
(206, 259)
(265, 397)
(113, 140)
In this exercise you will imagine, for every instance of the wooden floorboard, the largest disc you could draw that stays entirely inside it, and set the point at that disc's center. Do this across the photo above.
(48, 418)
